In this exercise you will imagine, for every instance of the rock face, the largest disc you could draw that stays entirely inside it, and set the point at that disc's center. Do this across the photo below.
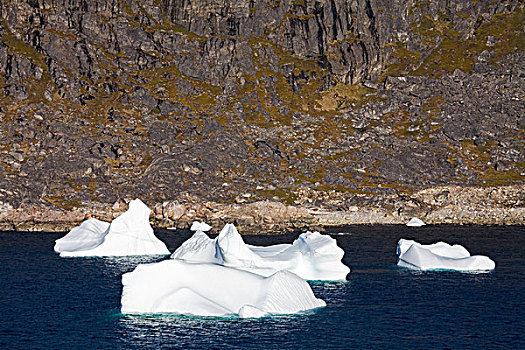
(298, 102)
(450, 204)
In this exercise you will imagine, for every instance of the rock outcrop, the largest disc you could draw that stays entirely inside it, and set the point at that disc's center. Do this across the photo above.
(444, 205)
(251, 101)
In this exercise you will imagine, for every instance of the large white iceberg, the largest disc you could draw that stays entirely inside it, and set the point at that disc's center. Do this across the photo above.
(440, 256)
(176, 286)
(129, 234)
(312, 256)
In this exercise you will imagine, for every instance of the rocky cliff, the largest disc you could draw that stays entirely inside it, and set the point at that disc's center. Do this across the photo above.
(321, 104)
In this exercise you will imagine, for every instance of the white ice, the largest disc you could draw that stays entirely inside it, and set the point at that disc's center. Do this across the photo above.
(129, 234)
(176, 286)
(440, 256)
(200, 226)
(415, 222)
(312, 256)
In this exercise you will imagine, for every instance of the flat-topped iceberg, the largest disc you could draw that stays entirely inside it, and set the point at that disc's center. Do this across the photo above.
(312, 256)
(129, 234)
(440, 256)
(176, 286)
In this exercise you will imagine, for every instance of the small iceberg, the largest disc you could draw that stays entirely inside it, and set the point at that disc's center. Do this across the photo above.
(175, 286)
(312, 256)
(129, 234)
(200, 226)
(440, 256)
(415, 222)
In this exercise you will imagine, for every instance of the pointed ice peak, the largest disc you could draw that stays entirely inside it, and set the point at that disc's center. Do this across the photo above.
(312, 256)
(129, 234)
(136, 218)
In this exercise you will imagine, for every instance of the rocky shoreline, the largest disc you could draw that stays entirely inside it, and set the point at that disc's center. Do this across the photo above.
(440, 205)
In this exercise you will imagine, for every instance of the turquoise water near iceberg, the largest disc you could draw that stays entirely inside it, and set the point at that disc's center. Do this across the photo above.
(51, 302)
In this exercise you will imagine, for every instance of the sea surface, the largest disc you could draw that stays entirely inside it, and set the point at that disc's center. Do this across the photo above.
(48, 302)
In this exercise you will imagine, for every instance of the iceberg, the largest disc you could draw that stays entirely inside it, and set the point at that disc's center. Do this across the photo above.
(200, 226)
(312, 256)
(202, 289)
(415, 222)
(129, 234)
(440, 256)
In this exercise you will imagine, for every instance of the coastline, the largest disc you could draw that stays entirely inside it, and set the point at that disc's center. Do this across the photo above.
(502, 205)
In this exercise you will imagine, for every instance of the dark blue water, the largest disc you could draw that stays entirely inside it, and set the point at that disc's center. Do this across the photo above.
(51, 302)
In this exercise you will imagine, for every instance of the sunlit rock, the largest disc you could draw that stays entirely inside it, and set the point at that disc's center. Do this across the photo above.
(440, 256)
(176, 286)
(129, 234)
(312, 256)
